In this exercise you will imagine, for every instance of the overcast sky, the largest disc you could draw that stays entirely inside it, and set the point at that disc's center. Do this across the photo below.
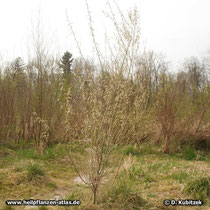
(177, 28)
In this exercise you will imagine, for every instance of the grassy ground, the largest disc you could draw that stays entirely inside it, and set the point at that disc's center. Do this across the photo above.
(145, 178)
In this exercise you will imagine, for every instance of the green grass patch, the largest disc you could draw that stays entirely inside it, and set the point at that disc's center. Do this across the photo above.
(49, 154)
(140, 150)
(78, 147)
(136, 173)
(51, 185)
(199, 188)
(34, 171)
(155, 167)
(148, 149)
(72, 196)
(167, 167)
(123, 196)
(189, 153)
(27, 154)
(43, 208)
(132, 150)
(181, 177)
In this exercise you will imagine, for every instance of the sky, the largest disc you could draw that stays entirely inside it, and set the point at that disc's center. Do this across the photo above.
(175, 28)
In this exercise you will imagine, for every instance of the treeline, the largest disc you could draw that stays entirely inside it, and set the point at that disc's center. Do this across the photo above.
(51, 100)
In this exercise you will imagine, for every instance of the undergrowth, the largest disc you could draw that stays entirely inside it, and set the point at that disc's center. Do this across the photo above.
(34, 171)
(199, 188)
